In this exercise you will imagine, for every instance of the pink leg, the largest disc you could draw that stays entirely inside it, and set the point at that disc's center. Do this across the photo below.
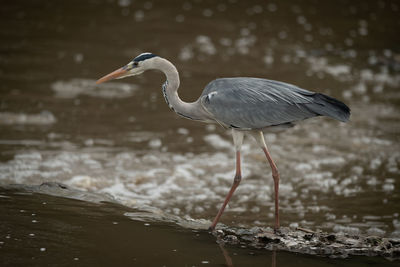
(236, 182)
(275, 176)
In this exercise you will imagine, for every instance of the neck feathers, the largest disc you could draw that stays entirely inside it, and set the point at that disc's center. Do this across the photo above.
(164, 91)
(193, 111)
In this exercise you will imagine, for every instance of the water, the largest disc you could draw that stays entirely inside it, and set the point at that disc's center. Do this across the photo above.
(121, 138)
(43, 230)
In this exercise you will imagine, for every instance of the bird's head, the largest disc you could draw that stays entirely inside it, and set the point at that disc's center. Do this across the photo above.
(137, 66)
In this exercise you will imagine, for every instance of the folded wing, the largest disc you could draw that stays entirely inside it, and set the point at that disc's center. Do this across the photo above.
(252, 103)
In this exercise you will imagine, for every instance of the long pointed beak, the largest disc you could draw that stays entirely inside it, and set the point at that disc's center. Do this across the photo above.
(113, 75)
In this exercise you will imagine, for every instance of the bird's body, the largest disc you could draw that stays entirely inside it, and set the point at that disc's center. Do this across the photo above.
(257, 104)
(246, 105)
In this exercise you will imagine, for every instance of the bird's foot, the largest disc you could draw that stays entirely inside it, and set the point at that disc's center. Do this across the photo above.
(277, 230)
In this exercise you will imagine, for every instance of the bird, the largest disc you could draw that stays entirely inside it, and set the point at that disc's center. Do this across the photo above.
(245, 105)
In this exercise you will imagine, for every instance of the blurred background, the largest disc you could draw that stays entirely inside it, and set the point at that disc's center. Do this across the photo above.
(121, 138)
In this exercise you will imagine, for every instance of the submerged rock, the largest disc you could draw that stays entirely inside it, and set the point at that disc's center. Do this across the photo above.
(305, 241)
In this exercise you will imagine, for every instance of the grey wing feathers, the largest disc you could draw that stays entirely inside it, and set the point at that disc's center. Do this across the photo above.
(252, 103)
(331, 107)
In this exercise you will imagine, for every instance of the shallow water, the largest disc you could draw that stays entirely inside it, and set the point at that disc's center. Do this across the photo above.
(43, 230)
(121, 139)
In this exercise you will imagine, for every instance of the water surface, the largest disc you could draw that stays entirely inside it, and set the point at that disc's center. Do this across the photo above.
(121, 138)
(43, 230)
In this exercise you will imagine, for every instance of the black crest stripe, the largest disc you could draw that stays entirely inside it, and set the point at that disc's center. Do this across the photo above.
(144, 57)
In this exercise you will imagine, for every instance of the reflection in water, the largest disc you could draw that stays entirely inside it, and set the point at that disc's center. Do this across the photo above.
(273, 262)
(228, 259)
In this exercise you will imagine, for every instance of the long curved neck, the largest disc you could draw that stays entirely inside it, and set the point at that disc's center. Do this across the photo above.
(192, 110)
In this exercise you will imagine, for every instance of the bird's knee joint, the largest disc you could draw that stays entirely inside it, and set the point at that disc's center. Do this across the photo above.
(237, 179)
(275, 175)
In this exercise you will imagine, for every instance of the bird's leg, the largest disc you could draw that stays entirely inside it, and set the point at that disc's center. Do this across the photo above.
(238, 139)
(275, 176)
(236, 182)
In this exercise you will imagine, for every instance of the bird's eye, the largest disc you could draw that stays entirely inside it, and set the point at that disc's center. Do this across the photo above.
(135, 63)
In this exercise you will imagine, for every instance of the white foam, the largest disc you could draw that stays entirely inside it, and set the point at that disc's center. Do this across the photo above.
(303, 167)
(320, 65)
(205, 45)
(376, 231)
(11, 118)
(155, 143)
(118, 190)
(75, 87)
(217, 141)
(186, 53)
(81, 181)
(183, 131)
(346, 229)
(388, 187)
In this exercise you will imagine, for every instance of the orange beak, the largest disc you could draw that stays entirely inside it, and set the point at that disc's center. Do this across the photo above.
(113, 75)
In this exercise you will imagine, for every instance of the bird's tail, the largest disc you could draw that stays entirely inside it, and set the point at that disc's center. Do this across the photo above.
(331, 107)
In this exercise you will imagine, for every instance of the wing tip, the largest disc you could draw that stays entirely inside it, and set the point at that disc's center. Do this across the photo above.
(333, 108)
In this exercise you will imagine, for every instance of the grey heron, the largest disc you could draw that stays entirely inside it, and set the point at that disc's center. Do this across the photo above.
(244, 105)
